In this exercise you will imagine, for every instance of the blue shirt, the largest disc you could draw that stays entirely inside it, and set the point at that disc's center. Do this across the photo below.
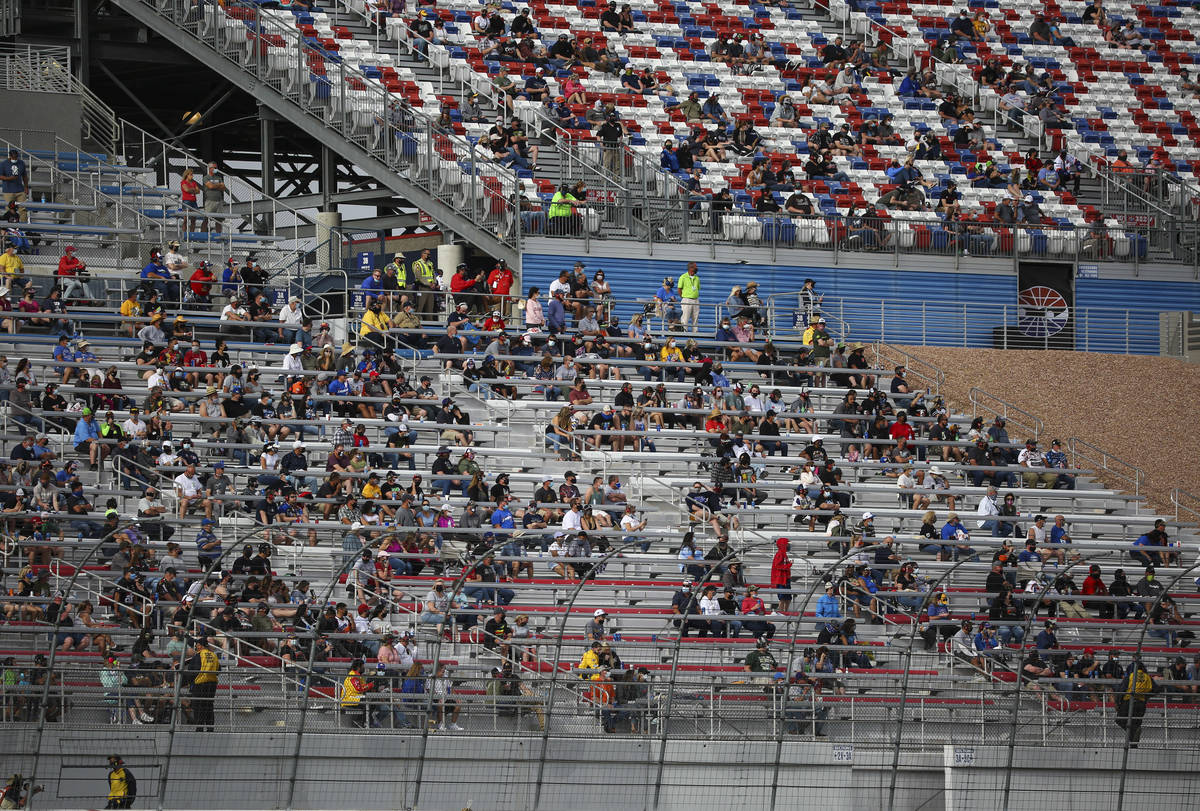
(228, 283)
(1057, 533)
(1028, 556)
(949, 531)
(503, 518)
(206, 537)
(828, 606)
(371, 283)
(667, 295)
(155, 271)
(669, 160)
(85, 430)
(338, 387)
(1144, 540)
(556, 318)
(17, 169)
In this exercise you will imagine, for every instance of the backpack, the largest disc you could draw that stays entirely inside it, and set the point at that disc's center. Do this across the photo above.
(130, 786)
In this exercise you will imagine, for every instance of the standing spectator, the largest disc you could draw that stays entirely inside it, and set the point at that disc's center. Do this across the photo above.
(689, 292)
(612, 134)
(214, 194)
(14, 179)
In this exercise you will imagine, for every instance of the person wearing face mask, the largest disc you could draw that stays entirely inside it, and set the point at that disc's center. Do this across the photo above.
(671, 353)
(1149, 588)
(649, 369)
(436, 605)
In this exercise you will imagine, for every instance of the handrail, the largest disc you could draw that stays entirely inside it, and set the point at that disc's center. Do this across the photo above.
(932, 375)
(990, 403)
(1179, 496)
(47, 68)
(265, 44)
(1102, 461)
(164, 158)
(565, 143)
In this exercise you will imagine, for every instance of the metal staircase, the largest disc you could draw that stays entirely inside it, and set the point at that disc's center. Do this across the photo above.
(353, 115)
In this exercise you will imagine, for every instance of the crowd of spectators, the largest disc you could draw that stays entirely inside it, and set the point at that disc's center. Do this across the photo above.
(223, 440)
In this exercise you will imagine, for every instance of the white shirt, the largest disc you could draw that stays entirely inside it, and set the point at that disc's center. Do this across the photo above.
(291, 363)
(630, 522)
(174, 261)
(291, 317)
(572, 520)
(987, 508)
(230, 311)
(565, 287)
(1030, 458)
(905, 481)
(755, 404)
(167, 458)
(709, 606)
(134, 427)
(146, 504)
(188, 486)
(157, 379)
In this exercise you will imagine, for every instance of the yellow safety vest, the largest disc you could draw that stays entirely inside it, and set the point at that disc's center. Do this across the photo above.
(210, 666)
(425, 272)
(559, 208)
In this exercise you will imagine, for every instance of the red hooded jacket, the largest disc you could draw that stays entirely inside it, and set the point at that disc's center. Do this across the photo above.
(781, 566)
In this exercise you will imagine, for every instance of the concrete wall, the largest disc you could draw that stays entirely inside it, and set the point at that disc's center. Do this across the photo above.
(41, 114)
(617, 774)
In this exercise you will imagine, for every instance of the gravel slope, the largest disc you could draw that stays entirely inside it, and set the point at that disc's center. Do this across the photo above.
(1124, 404)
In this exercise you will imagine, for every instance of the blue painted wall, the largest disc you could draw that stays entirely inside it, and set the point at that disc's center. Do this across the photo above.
(1107, 300)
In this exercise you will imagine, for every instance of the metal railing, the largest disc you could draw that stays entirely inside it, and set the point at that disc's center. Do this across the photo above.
(1187, 505)
(580, 159)
(981, 401)
(692, 221)
(47, 69)
(1084, 454)
(247, 208)
(322, 86)
(830, 706)
(982, 324)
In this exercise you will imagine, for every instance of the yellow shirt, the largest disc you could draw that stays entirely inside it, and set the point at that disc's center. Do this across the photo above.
(371, 491)
(590, 661)
(672, 353)
(11, 264)
(351, 695)
(374, 322)
(131, 308)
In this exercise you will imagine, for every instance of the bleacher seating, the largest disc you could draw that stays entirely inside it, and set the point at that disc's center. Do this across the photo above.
(898, 655)
(675, 41)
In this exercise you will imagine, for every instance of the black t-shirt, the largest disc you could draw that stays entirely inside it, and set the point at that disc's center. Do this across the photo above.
(610, 18)
(610, 132)
(236, 408)
(264, 511)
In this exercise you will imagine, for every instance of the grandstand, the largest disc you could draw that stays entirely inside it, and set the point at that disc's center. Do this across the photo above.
(297, 513)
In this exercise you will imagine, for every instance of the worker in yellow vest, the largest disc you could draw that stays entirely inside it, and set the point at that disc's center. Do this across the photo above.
(562, 217)
(207, 669)
(425, 278)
